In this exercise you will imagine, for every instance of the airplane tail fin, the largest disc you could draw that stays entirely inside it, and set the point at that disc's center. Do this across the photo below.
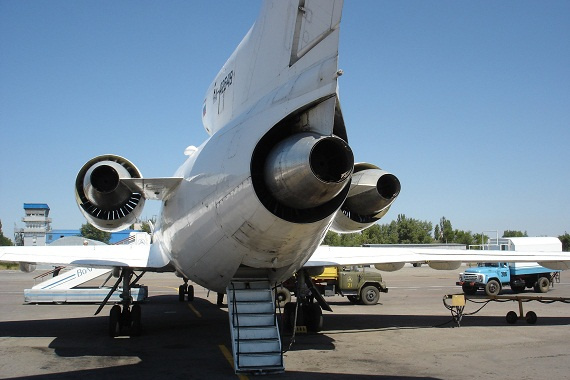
(288, 39)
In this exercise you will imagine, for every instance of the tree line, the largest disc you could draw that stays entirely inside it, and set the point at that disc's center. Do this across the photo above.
(406, 230)
(403, 230)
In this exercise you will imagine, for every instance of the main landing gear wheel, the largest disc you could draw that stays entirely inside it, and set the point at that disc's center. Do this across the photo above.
(127, 321)
(308, 315)
(184, 290)
(128, 318)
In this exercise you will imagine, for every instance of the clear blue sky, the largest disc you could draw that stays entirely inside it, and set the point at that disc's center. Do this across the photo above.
(468, 103)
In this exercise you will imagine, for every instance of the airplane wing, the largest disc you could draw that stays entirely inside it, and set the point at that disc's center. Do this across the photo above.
(136, 256)
(390, 259)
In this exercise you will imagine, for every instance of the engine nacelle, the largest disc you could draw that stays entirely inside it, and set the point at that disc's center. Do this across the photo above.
(371, 194)
(307, 170)
(105, 201)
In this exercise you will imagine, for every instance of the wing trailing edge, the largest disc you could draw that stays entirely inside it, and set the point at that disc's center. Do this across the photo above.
(385, 258)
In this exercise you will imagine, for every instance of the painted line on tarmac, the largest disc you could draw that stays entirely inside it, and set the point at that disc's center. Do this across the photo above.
(191, 307)
(227, 354)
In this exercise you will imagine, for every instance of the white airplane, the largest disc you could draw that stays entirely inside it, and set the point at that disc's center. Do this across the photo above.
(256, 199)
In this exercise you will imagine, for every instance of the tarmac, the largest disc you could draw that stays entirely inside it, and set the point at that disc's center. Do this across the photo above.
(408, 335)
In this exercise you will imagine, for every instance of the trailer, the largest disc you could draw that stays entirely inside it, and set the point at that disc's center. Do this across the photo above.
(456, 303)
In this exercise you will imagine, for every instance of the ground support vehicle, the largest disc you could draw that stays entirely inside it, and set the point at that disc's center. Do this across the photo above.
(492, 277)
(358, 284)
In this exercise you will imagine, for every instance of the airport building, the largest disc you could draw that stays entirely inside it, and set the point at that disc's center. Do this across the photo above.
(38, 231)
(38, 224)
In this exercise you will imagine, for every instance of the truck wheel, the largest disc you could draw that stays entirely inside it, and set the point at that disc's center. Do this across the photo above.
(369, 295)
(542, 285)
(493, 288)
(469, 289)
(512, 317)
(352, 299)
(517, 288)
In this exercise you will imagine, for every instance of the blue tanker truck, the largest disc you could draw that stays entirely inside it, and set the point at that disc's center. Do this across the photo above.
(492, 277)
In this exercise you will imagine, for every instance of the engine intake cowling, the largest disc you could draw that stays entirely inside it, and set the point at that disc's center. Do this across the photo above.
(371, 194)
(104, 200)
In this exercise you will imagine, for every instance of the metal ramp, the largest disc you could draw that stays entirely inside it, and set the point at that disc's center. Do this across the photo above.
(256, 344)
(66, 287)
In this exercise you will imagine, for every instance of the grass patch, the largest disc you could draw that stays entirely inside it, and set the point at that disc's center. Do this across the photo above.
(4, 266)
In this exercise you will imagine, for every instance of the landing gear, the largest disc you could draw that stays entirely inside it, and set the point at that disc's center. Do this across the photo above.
(307, 309)
(126, 317)
(184, 290)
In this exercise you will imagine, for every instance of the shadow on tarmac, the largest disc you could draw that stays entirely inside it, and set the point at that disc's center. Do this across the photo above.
(177, 342)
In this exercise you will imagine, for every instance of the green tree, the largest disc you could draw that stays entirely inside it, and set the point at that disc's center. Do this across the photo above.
(446, 231)
(3, 239)
(413, 231)
(565, 239)
(513, 233)
(463, 237)
(332, 239)
(90, 232)
(480, 239)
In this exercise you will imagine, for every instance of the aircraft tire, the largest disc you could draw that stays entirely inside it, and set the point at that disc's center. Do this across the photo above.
(181, 292)
(115, 321)
(136, 320)
(190, 293)
(314, 317)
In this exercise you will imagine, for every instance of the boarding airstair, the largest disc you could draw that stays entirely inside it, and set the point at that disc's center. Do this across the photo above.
(72, 286)
(256, 343)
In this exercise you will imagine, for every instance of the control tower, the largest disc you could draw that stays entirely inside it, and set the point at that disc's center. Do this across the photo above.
(37, 225)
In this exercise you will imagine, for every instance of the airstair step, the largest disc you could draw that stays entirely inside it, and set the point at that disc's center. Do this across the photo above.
(248, 320)
(259, 346)
(242, 295)
(260, 360)
(257, 332)
(254, 307)
(249, 284)
(256, 343)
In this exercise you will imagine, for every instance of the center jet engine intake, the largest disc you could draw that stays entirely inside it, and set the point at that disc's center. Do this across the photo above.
(105, 201)
(371, 194)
